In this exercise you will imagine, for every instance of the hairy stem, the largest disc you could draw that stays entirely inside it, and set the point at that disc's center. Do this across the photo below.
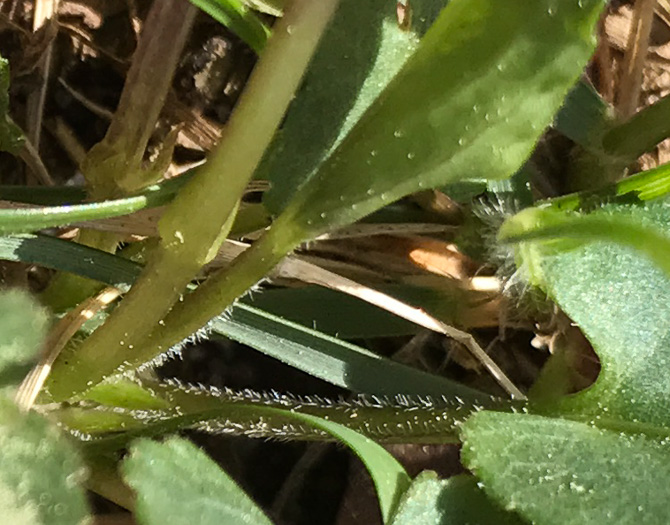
(135, 333)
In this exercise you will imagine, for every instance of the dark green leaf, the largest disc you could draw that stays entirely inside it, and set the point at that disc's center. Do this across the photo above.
(584, 116)
(11, 137)
(359, 54)
(346, 317)
(331, 359)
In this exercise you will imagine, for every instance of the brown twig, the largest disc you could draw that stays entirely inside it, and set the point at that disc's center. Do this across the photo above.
(630, 83)
(44, 15)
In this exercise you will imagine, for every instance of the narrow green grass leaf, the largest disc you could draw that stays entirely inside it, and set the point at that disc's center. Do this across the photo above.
(155, 195)
(640, 133)
(389, 477)
(643, 186)
(553, 471)
(454, 501)
(40, 473)
(270, 7)
(23, 326)
(584, 116)
(43, 195)
(67, 256)
(236, 16)
(331, 359)
(177, 483)
(470, 103)
(346, 317)
(25, 220)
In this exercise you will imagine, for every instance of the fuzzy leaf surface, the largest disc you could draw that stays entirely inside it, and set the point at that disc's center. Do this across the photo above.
(554, 471)
(177, 482)
(40, 473)
(453, 501)
(620, 298)
(22, 329)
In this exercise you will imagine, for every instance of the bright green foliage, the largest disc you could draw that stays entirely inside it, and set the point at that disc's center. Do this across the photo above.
(11, 138)
(236, 16)
(454, 501)
(22, 329)
(39, 472)
(470, 103)
(556, 471)
(177, 483)
(359, 54)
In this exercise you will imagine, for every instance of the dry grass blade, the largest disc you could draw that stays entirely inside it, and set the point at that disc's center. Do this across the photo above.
(636, 54)
(44, 16)
(294, 268)
(59, 336)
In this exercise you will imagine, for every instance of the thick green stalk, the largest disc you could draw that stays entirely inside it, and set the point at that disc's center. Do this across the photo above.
(197, 221)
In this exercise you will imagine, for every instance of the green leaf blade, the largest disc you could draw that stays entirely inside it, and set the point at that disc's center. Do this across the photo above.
(470, 103)
(11, 137)
(390, 479)
(237, 17)
(556, 471)
(177, 483)
(362, 50)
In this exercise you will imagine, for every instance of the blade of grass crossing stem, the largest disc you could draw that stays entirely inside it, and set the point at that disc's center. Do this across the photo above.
(331, 359)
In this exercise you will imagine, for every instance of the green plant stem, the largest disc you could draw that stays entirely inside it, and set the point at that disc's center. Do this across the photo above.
(188, 239)
(402, 419)
(640, 133)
